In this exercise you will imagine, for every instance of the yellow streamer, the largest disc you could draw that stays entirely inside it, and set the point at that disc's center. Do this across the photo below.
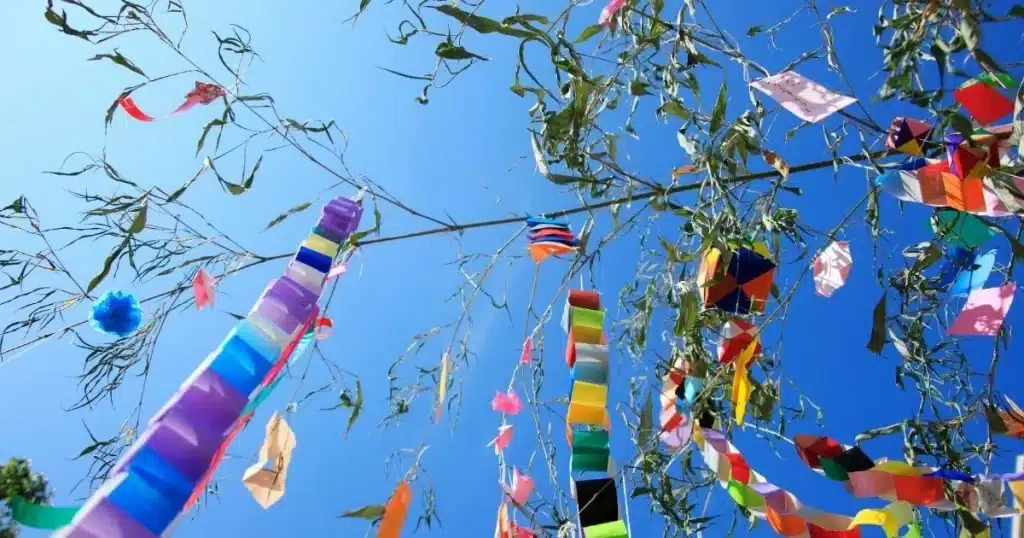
(740, 382)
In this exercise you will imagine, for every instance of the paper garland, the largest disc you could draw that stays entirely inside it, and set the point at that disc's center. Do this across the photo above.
(783, 510)
(900, 481)
(168, 466)
(587, 421)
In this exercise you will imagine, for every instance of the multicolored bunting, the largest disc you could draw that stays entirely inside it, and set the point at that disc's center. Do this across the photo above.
(169, 465)
(783, 510)
(900, 481)
(202, 94)
(549, 237)
(588, 422)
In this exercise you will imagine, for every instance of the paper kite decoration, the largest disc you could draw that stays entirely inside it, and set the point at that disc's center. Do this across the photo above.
(908, 136)
(832, 268)
(169, 465)
(984, 99)
(549, 237)
(202, 94)
(966, 271)
(737, 282)
(894, 480)
(984, 312)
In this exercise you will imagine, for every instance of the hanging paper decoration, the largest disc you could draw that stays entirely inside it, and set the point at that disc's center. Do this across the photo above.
(966, 271)
(983, 98)
(609, 11)
(984, 311)
(203, 289)
(116, 313)
(442, 384)
(527, 354)
(510, 529)
(783, 510)
(521, 488)
(507, 403)
(805, 98)
(959, 229)
(899, 481)
(337, 271)
(503, 438)
(587, 421)
(680, 388)
(395, 511)
(832, 268)
(736, 335)
(167, 468)
(267, 484)
(908, 136)
(40, 516)
(549, 237)
(737, 282)
(202, 94)
(931, 182)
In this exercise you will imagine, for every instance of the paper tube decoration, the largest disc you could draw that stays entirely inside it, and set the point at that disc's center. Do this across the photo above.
(587, 421)
(908, 136)
(549, 237)
(805, 98)
(169, 465)
(783, 510)
(900, 481)
(832, 268)
(266, 478)
(983, 98)
(738, 282)
(202, 94)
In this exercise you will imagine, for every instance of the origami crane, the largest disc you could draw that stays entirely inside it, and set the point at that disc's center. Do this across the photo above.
(737, 282)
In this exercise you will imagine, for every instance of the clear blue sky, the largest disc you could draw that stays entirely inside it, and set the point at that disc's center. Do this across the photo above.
(462, 154)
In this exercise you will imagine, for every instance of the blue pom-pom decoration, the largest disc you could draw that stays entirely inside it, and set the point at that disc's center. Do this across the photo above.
(116, 313)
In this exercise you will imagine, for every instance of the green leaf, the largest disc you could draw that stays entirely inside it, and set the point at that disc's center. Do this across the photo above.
(280, 218)
(119, 59)
(107, 264)
(368, 512)
(646, 428)
(139, 222)
(754, 30)
(363, 4)
(589, 32)
(877, 341)
(206, 131)
(483, 25)
(718, 113)
(1016, 11)
(357, 407)
(451, 51)
(673, 107)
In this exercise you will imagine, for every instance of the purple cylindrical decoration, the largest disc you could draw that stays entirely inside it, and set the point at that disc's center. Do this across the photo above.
(277, 314)
(207, 398)
(183, 442)
(306, 276)
(103, 520)
(297, 299)
(340, 226)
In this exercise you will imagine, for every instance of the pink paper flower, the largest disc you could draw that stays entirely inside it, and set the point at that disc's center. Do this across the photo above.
(503, 439)
(610, 10)
(522, 488)
(203, 289)
(508, 403)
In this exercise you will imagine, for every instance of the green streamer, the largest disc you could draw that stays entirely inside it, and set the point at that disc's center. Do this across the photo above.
(41, 516)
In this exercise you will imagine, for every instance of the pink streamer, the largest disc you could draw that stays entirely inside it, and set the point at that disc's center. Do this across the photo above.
(503, 439)
(527, 351)
(610, 10)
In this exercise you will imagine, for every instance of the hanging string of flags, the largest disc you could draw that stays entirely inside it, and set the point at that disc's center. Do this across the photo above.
(169, 465)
